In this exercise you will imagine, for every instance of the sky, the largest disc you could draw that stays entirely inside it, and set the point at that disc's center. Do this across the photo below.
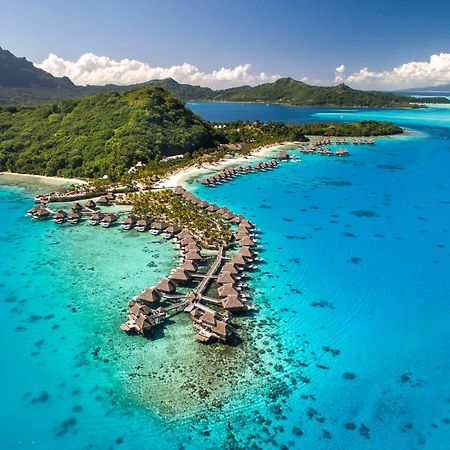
(221, 43)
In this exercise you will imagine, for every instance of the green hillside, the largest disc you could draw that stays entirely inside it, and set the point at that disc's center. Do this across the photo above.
(100, 135)
(287, 90)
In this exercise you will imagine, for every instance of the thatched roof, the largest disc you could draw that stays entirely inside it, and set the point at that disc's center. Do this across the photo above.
(247, 252)
(239, 260)
(74, 215)
(179, 190)
(61, 214)
(166, 286)
(103, 200)
(180, 275)
(183, 234)
(173, 229)
(225, 278)
(109, 218)
(190, 266)
(144, 222)
(246, 242)
(233, 303)
(42, 212)
(97, 216)
(149, 295)
(131, 219)
(191, 247)
(90, 204)
(159, 225)
(230, 267)
(283, 155)
(226, 290)
(193, 256)
(76, 207)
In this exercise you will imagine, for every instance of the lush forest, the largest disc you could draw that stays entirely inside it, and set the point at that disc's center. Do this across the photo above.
(100, 135)
(255, 134)
(287, 90)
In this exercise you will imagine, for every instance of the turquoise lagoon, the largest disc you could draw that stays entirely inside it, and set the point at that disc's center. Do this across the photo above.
(349, 348)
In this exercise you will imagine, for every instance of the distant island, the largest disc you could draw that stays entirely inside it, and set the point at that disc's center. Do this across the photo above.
(107, 134)
(442, 88)
(22, 83)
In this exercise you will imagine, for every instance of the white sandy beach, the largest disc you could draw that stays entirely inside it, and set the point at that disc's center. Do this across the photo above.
(181, 176)
(56, 181)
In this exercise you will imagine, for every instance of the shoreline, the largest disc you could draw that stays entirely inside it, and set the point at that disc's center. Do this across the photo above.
(181, 176)
(50, 180)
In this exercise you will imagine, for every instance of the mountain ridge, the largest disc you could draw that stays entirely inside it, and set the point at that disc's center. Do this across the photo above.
(23, 83)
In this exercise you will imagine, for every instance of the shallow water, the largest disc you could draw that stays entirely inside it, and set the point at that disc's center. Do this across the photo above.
(349, 348)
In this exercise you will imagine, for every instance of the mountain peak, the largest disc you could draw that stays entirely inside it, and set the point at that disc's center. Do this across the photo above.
(19, 73)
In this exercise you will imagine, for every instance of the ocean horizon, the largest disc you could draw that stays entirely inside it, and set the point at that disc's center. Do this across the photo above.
(348, 348)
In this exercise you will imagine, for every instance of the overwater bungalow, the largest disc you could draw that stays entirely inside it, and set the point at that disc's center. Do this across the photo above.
(166, 286)
(246, 242)
(191, 247)
(341, 152)
(158, 227)
(179, 190)
(193, 256)
(140, 319)
(41, 213)
(76, 206)
(103, 200)
(226, 278)
(247, 252)
(186, 241)
(90, 204)
(149, 295)
(226, 290)
(212, 208)
(130, 222)
(232, 268)
(210, 324)
(189, 266)
(96, 218)
(233, 303)
(34, 209)
(142, 224)
(283, 155)
(180, 276)
(108, 220)
(60, 216)
(173, 230)
(110, 196)
(239, 260)
(228, 215)
(74, 217)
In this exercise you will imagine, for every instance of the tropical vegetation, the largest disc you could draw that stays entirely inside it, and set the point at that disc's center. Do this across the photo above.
(102, 135)
(208, 228)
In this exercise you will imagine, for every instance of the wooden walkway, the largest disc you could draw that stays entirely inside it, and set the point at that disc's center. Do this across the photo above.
(212, 270)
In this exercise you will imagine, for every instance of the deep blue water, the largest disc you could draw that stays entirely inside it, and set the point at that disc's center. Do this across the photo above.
(354, 297)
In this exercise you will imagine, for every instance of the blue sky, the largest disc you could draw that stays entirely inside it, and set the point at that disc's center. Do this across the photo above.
(305, 38)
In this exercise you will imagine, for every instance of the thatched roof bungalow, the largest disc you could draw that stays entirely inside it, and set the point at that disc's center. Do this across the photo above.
(149, 295)
(166, 286)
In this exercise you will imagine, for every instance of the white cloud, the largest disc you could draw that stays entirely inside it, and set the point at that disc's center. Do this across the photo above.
(339, 74)
(99, 70)
(412, 74)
